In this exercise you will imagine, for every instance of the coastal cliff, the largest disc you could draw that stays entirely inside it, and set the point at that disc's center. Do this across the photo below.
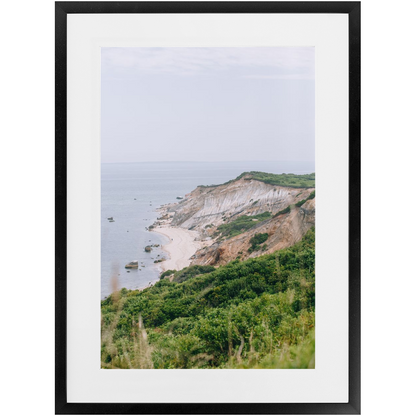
(208, 311)
(229, 218)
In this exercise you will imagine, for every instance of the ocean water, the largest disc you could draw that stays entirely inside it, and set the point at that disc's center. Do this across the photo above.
(131, 192)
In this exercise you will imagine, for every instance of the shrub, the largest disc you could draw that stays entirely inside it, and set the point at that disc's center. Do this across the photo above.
(259, 239)
(311, 196)
(283, 211)
(242, 224)
(191, 271)
(258, 313)
(167, 273)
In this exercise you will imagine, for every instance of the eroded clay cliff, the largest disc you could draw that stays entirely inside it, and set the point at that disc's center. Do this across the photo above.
(206, 208)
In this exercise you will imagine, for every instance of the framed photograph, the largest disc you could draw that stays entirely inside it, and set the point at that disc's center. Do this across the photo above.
(207, 207)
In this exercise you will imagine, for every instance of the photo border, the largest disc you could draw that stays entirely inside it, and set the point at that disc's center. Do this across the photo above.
(62, 9)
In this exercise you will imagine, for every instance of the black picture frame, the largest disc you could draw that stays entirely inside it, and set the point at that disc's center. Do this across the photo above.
(62, 9)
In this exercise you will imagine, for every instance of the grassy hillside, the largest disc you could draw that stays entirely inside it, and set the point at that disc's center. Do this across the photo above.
(284, 179)
(259, 313)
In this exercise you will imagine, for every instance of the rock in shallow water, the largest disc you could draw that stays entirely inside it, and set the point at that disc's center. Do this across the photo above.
(132, 265)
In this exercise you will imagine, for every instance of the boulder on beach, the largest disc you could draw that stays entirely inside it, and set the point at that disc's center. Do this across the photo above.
(148, 249)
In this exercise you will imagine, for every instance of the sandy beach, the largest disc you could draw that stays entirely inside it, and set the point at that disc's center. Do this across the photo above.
(181, 247)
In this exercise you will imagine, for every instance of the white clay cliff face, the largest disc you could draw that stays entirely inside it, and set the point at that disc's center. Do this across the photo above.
(205, 208)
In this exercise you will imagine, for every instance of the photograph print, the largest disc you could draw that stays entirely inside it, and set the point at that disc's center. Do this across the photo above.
(208, 208)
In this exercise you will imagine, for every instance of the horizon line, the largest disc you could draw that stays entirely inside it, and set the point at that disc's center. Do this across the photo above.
(210, 161)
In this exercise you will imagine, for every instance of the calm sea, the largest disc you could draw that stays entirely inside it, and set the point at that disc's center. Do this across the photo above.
(131, 192)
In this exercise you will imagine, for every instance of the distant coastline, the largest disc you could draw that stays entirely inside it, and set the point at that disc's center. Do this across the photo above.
(142, 197)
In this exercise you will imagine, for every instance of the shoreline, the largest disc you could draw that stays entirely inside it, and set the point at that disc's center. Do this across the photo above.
(182, 246)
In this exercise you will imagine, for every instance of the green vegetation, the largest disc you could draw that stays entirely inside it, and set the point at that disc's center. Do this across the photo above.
(283, 211)
(256, 241)
(191, 271)
(186, 273)
(311, 196)
(259, 313)
(241, 224)
(167, 273)
(284, 179)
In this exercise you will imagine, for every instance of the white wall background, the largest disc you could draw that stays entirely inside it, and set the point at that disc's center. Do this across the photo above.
(27, 211)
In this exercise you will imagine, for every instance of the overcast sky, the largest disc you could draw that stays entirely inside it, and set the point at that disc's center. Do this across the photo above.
(207, 104)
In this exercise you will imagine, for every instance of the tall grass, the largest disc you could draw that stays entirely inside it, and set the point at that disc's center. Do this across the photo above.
(134, 353)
